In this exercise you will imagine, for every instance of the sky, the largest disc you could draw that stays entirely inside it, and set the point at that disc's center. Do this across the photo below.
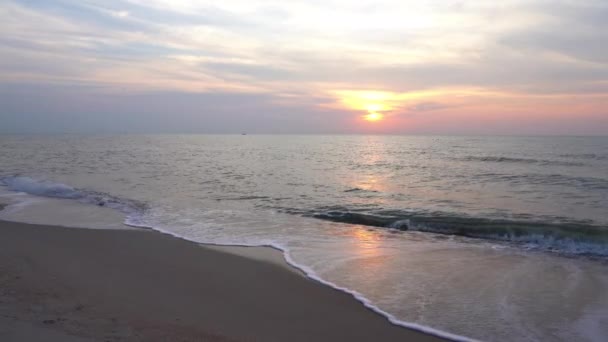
(529, 67)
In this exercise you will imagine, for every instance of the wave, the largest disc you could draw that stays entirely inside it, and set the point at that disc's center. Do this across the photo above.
(360, 190)
(436, 223)
(243, 198)
(46, 188)
(40, 187)
(581, 238)
(497, 159)
(577, 238)
(589, 183)
(590, 156)
(310, 273)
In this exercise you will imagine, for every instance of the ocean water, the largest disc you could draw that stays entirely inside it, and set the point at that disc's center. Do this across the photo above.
(483, 238)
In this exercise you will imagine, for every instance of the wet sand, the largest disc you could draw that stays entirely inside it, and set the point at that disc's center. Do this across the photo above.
(70, 284)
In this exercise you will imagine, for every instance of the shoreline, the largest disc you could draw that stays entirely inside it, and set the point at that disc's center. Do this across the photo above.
(78, 284)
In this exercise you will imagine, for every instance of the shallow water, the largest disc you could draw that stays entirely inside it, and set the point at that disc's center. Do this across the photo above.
(389, 217)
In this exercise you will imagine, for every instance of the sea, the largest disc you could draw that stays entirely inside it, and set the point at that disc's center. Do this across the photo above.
(467, 237)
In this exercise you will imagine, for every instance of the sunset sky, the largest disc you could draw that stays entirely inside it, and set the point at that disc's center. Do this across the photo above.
(330, 66)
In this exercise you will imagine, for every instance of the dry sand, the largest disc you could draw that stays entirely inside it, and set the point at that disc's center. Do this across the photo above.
(70, 284)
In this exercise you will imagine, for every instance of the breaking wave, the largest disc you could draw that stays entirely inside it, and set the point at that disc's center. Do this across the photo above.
(588, 156)
(577, 238)
(496, 159)
(46, 188)
(571, 237)
(40, 187)
(588, 183)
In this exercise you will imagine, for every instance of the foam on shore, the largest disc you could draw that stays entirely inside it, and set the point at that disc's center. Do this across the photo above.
(31, 206)
(310, 273)
(56, 209)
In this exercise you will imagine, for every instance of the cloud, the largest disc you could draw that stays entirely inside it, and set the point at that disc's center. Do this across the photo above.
(427, 106)
(304, 52)
(490, 49)
(572, 30)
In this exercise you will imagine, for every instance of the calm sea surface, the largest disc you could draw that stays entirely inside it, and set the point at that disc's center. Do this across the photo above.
(491, 238)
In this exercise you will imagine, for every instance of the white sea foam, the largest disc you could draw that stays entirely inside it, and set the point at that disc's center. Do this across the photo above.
(139, 218)
(50, 189)
(40, 187)
(35, 201)
(137, 221)
(17, 201)
(223, 189)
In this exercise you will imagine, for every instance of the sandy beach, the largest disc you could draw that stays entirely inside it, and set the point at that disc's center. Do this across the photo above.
(70, 284)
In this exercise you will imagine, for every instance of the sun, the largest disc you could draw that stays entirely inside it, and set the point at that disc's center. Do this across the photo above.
(376, 104)
(373, 117)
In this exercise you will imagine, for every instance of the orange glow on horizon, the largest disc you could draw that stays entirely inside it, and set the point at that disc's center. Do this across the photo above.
(370, 101)
(387, 111)
(375, 103)
(373, 117)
